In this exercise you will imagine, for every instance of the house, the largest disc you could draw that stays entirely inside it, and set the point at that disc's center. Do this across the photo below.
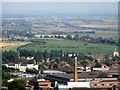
(44, 85)
(40, 83)
(53, 72)
(24, 75)
(53, 79)
(70, 55)
(84, 69)
(50, 36)
(10, 80)
(47, 81)
(47, 59)
(80, 69)
(63, 63)
(115, 65)
(90, 64)
(98, 57)
(115, 53)
(71, 85)
(30, 58)
(104, 84)
(21, 67)
(103, 68)
(87, 68)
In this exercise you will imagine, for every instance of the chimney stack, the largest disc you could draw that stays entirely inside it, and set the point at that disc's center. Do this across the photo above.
(75, 70)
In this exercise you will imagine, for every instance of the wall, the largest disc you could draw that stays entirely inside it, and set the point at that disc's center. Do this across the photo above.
(74, 85)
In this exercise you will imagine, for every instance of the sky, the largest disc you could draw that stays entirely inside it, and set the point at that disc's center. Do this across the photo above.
(59, 0)
(17, 8)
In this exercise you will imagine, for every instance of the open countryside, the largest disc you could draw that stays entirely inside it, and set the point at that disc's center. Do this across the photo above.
(70, 46)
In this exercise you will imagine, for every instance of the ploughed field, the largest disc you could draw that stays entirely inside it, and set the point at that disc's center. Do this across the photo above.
(68, 45)
(11, 45)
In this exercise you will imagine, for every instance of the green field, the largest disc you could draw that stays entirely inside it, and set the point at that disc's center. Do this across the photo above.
(71, 46)
(106, 35)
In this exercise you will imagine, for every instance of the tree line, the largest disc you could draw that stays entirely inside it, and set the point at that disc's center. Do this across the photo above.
(21, 55)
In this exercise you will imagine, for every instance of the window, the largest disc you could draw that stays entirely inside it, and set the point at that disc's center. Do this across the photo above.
(95, 84)
(102, 84)
(43, 84)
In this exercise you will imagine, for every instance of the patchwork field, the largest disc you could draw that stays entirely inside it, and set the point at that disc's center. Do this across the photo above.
(103, 27)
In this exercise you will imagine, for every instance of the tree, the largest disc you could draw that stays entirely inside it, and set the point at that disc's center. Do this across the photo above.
(45, 54)
(26, 53)
(89, 58)
(76, 37)
(32, 71)
(69, 37)
(17, 85)
(6, 75)
(10, 56)
(67, 57)
(107, 57)
(42, 72)
(36, 86)
(71, 62)
(107, 63)
(115, 58)
(97, 65)
(63, 58)
(96, 61)
(55, 66)
(31, 62)
(83, 63)
(39, 56)
(42, 67)
(81, 56)
(6, 69)
(4, 83)
(57, 60)
(52, 55)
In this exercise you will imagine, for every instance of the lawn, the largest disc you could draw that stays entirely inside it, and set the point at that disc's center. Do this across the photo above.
(71, 46)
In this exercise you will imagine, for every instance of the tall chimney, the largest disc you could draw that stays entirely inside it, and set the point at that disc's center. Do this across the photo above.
(75, 70)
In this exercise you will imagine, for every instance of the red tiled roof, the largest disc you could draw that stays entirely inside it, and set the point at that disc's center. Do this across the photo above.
(98, 57)
(103, 64)
(112, 82)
